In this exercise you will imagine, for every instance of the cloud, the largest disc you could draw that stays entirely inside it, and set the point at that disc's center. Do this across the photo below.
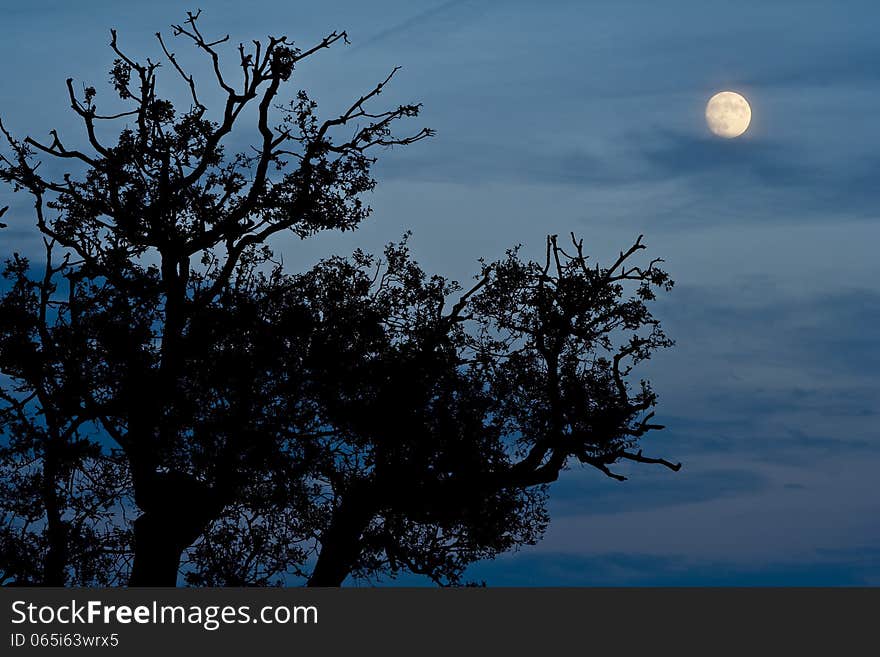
(770, 375)
(764, 162)
(825, 335)
(587, 492)
(842, 64)
(444, 15)
(747, 180)
(855, 567)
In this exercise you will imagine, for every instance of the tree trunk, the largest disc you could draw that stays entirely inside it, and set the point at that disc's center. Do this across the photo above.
(341, 542)
(156, 553)
(55, 565)
(176, 509)
(159, 541)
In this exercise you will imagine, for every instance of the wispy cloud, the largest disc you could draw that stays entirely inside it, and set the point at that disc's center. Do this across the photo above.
(859, 567)
(443, 14)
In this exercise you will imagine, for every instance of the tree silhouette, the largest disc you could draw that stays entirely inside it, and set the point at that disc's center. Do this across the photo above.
(361, 418)
(59, 492)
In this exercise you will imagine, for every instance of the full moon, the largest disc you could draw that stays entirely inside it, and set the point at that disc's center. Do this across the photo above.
(728, 114)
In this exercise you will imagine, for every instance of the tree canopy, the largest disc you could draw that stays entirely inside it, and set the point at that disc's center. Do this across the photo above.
(176, 402)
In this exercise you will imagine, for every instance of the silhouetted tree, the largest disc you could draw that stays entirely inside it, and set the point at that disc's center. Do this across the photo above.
(450, 417)
(60, 492)
(360, 418)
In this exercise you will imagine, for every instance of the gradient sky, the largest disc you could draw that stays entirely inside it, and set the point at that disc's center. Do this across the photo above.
(582, 116)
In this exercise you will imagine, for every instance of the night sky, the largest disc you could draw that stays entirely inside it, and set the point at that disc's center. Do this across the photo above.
(587, 116)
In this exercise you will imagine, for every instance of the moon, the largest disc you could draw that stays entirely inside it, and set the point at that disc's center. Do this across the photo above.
(728, 114)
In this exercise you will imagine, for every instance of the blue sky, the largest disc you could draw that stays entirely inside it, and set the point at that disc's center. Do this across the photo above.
(585, 116)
